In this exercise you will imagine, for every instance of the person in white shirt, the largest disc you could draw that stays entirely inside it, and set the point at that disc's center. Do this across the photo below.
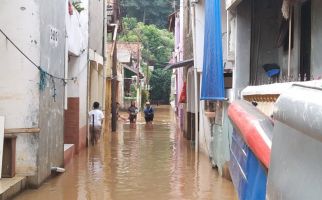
(96, 118)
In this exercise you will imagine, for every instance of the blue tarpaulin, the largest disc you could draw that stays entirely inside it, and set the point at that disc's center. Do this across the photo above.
(213, 73)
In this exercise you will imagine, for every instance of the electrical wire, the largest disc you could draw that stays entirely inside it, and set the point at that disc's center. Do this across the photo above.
(32, 62)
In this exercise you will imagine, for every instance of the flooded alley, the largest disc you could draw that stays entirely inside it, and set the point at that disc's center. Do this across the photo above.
(142, 163)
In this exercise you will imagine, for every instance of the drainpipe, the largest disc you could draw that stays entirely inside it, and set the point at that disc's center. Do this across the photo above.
(104, 57)
(193, 21)
(66, 60)
(114, 76)
(57, 169)
(88, 70)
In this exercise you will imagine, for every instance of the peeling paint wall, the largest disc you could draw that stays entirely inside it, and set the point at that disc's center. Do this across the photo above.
(96, 25)
(316, 61)
(26, 154)
(200, 33)
(19, 85)
(52, 58)
(19, 78)
(77, 65)
(243, 42)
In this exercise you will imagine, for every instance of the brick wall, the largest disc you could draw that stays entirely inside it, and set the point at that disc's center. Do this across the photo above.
(71, 123)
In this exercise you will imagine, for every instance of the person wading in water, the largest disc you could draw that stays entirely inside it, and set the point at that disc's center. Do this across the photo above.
(96, 118)
(148, 114)
(133, 111)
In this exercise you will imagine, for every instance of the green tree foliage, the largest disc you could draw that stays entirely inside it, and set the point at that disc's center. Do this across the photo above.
(157, 43)
(157, 47)
(78, 6)
(133, 90)
(144, 97)
(160, 83)
(150, 11)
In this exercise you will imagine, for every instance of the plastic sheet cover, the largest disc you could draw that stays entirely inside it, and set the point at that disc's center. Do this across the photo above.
(255, 128)
(248, 174)
(213, 72)
(250, 150)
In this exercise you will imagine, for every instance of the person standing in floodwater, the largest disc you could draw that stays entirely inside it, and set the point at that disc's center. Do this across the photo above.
(148, 113)
(133, 111)
(96, 118)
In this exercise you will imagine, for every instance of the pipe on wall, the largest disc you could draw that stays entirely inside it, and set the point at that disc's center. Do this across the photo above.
(193, 25)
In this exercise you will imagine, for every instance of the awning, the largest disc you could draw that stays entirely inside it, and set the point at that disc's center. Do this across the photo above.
(131, 69)
(185, 63)
(213, 69)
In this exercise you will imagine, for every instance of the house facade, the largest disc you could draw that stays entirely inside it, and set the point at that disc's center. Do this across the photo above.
(275, 47)
(267, 47)
(76, 109)
(33, 93)
(57, 72)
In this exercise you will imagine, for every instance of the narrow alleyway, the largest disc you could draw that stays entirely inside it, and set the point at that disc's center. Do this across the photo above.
(145, 163)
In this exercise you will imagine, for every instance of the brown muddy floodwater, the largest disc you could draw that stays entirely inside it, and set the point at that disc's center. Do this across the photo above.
(140, 164)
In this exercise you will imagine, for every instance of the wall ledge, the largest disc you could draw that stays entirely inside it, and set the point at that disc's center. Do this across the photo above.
(21, 130)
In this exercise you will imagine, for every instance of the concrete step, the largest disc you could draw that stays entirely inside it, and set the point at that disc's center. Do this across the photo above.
(10, 187)
(69, 152)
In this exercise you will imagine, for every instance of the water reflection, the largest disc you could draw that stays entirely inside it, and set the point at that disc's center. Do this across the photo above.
(142, 163)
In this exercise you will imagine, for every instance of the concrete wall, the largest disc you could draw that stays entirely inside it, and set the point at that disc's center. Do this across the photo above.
(120, 79)
(204, 127)
(96, 25)
(190, 91)
(52, 58)
(316, 61)
(100, 85)
(243, 37)
(97, 54)
(93, 91)
(205, 130)
(77, 31)
(224, 32)
(187, 31)
(265, 31)
(200, 33)
(19, 93)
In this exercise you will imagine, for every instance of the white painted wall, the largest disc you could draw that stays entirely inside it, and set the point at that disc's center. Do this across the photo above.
(96, 25)
(205, 125)
(204, 131)
(200, 33)
(100, 85)
(190, 91)
(19, 85)
(93, 94)
(19, 94)
(77, 37)
(75, 34)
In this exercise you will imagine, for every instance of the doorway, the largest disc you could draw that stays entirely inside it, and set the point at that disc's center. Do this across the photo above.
(305, 50)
